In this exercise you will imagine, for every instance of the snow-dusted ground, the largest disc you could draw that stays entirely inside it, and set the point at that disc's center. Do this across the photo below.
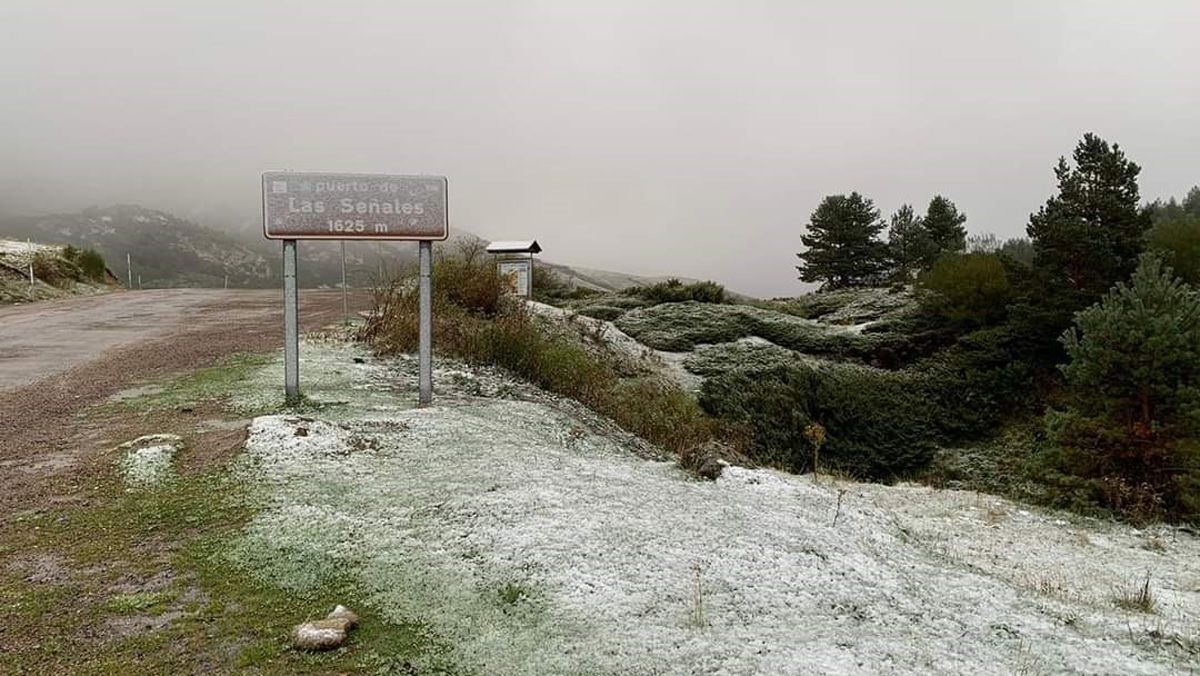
(533, 540)
(18, 253)
(146, 461)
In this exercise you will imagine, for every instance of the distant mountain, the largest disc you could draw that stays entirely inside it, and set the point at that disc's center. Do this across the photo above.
(168, 251)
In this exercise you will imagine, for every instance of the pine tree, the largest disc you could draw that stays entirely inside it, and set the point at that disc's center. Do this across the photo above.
(1088, 236)
(944, 224)
(1133, 381)
(908, 243)
(843, 246)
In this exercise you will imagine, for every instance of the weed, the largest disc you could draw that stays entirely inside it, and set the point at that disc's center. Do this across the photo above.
(140, 602)
(696, 618)
(1136, 597)
(1155, 543)
(513, 593)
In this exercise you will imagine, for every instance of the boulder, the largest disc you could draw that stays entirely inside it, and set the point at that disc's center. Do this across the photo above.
(326, 634)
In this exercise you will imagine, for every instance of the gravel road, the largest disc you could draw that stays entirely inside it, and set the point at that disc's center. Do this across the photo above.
(60, 358)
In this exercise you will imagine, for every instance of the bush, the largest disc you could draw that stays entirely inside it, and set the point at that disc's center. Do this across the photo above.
(1133, 382)
(675, 291)
(89, 261)
(603, 312)
(680, 327)
(55, 270)
(977, 383)
(1177, 241)
(548, 285)
(470, 325)
(967, 290)
(878, 426)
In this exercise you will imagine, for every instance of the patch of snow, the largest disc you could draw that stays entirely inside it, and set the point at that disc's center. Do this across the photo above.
(147, 460)
(533, 543)
(21, 253)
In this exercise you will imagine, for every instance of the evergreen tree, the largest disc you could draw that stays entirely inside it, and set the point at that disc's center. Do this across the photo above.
(1176, 235)
(1088, 236)
(944, 224)
(908, 243)
(1134, 393)
(843, 246)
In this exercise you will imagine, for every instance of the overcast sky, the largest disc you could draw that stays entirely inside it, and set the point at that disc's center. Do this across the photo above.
(678, 136)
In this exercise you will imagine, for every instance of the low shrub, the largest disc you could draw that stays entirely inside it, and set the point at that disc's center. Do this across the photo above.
(55, 270)
(606, 313)
(977, 383)
(675, 291)
(1177, 241)
(680, 327)
(877, 424)
(550, 287)
(967, 290)
(89, 262)
(511, 338)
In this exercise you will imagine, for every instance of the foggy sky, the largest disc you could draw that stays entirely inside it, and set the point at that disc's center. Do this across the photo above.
(679, 137)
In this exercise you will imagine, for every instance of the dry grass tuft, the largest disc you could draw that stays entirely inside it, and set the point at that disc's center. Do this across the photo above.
(1137, 597)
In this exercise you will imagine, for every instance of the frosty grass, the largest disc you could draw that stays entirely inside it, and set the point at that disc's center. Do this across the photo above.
(146, 461)
(532, 542)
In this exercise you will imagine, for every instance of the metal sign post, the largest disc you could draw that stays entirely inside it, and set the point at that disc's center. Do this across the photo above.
(345, 303)
(300, 205)
(425, 329)
(291, 323)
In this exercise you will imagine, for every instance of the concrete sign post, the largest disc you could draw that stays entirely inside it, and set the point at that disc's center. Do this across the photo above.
(299, 205)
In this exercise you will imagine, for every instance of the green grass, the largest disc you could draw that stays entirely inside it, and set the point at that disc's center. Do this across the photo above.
(150, 586)
(213, 383)
(155, 603)
(222, 616)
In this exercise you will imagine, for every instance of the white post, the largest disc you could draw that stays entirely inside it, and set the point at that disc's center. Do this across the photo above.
(345, 304)
(291, 324)
(425, 331)
(129, 270)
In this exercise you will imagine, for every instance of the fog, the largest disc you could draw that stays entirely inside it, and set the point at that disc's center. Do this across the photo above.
(679, 137)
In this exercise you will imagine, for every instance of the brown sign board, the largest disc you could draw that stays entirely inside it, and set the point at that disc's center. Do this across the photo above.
(302, 205)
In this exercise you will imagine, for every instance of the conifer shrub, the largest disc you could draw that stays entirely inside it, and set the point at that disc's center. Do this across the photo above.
(877, 425)
(968, 290)
(675, 291)
(89, 261)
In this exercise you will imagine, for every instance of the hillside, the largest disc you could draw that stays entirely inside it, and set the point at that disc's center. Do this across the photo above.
(508, 508)
(167, 251)
(55, 273)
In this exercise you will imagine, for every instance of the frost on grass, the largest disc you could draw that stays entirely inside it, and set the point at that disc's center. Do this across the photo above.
(146, 461)
(533, 542)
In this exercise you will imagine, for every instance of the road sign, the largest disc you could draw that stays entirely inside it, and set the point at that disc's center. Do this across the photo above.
(301, 205)
(354, 206)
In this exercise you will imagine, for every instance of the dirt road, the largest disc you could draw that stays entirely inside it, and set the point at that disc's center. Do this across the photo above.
(60, 358)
